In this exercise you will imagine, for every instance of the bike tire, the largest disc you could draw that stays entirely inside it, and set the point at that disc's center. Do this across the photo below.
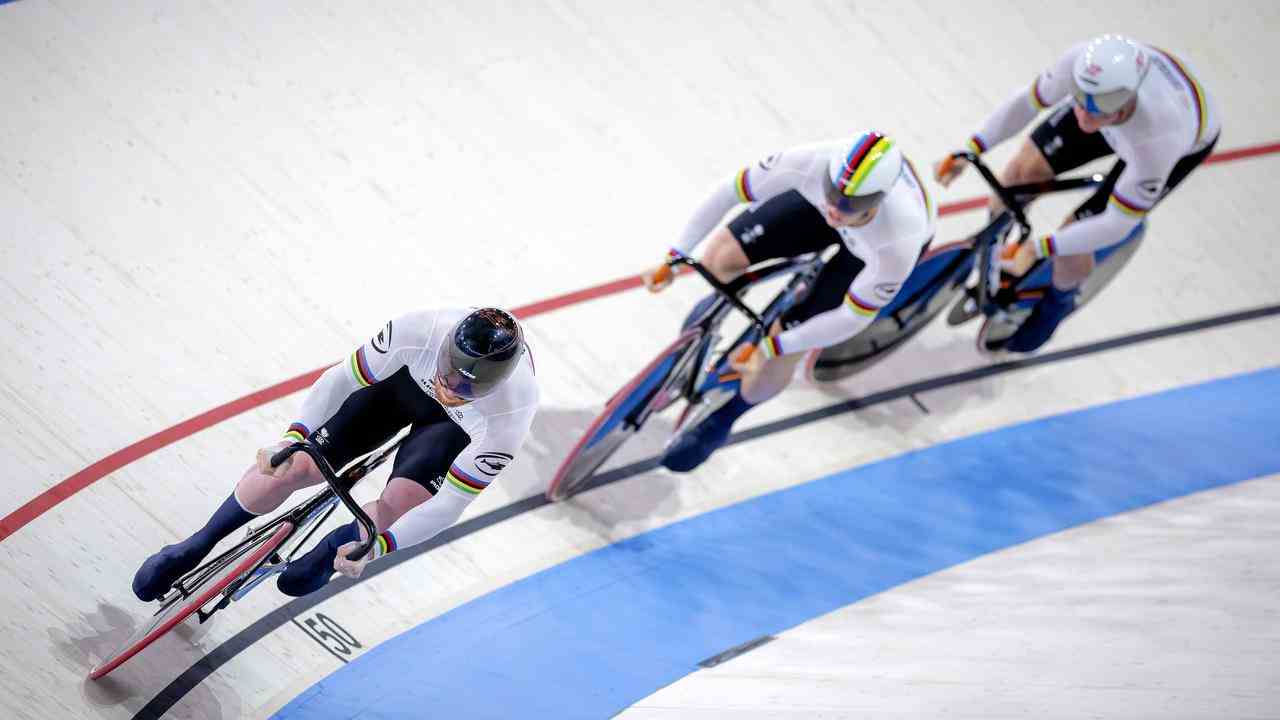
(610, 429)
(173, 613)
(885, 334)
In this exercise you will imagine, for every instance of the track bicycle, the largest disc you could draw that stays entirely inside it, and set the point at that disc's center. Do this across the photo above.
(230, 576)
(693, 368)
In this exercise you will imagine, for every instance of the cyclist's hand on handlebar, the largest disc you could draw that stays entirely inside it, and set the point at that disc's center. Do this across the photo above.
(1018, 259)
(264, 459)
(946, 170)
(745, 360)
(353, 568)
(659, 278)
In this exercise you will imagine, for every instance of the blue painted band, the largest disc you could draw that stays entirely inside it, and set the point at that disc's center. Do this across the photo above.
(594, 635)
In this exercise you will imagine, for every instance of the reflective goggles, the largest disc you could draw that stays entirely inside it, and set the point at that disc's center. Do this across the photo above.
(847, 205)
(1102, 104)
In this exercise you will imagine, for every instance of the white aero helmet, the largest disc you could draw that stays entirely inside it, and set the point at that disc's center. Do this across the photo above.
(862, 172)
(1107, 74)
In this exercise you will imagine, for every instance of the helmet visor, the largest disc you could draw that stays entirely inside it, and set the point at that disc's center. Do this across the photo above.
(1102, 104)
(850, 204)
(471, 369)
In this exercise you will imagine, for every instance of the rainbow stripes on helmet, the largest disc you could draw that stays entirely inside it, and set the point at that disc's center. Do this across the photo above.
(862, 159)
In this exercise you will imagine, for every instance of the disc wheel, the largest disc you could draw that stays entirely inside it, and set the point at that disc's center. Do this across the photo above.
(179, 607)
(652, 389)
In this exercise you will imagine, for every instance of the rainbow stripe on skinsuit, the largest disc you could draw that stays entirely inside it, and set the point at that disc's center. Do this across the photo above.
(463, 482)
(742, 186)
(771, 347)
(360, 369)
(1128, 207)
(859, 306)
(386, 543)
(861, 161)
(976, 145)
(1047, 246)
(1037, 102)
(1196, 91)
(297, 432)
(928, 204)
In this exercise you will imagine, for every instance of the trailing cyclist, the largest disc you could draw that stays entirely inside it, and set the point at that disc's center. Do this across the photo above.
(462, 380)
(1105, 100)
(861, 195)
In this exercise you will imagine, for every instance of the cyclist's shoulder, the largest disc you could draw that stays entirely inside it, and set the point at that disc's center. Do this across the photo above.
(516, 401)
(418, 328)
(798, 159)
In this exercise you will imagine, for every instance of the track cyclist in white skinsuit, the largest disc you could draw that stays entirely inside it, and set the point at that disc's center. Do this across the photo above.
(462, 380)
(860, 194)
(1111, 95)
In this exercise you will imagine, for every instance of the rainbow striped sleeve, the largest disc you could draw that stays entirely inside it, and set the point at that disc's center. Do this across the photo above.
(924, 194)
(360, 368)
(1047, 246)
(1126, 206)
(384, 544)
(1037, 101)
(975, 145)
(742, 186)
(771, 347)
(464, 483)
(860, 307)
(297, 432)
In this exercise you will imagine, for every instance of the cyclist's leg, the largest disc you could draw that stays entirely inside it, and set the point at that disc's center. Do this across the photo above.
(1061, 145)
(420, 466)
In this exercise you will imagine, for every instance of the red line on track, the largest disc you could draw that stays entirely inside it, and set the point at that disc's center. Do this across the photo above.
(50, 498)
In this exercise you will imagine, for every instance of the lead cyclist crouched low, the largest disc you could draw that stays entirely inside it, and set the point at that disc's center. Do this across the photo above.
(461, 380)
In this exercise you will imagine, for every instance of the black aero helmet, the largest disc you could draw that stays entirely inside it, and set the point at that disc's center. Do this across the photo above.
(480, 352)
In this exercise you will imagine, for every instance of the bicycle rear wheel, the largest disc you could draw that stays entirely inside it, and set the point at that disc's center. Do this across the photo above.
(180, 607)
(653, 389)
(938, 278)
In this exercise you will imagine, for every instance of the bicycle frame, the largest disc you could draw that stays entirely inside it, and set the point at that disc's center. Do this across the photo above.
(311, 513)
(805, 270)
(1015, 198)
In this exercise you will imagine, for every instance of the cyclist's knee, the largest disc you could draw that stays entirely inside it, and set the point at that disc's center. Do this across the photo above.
(399, 497)
(724, 257)
(1028, 165)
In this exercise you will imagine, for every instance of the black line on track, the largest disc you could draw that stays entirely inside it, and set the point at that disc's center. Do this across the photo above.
(173, 693)
(919, 404)
(735, 651)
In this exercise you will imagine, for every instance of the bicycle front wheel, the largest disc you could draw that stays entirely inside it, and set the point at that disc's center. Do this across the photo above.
(180, 607)
(653, 389)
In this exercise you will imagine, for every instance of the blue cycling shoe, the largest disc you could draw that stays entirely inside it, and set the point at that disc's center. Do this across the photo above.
(1052, 309)
(313, 570)
(162, 570)
(693, 446)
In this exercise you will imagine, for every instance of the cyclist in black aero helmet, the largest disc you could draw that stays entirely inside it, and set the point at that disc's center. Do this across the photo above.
(482, 352)
(461, 379)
